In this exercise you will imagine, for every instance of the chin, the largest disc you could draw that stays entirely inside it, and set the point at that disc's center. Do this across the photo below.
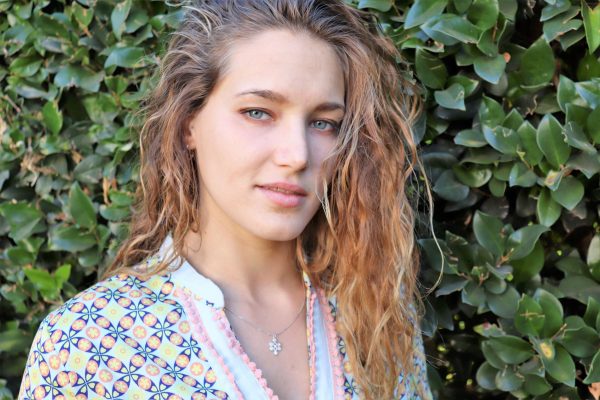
(279, 234)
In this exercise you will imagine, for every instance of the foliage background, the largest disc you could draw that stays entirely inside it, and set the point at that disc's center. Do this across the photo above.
(510, 142)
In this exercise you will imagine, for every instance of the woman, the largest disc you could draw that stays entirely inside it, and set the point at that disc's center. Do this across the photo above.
(271, 253)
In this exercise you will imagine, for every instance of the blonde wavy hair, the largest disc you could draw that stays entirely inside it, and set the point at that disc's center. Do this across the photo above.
(360, 247)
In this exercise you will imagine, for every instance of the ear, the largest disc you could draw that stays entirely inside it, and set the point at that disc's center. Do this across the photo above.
(188, 138)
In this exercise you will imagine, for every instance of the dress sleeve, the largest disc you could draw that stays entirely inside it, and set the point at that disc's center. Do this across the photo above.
(421, 380)
(44, 376)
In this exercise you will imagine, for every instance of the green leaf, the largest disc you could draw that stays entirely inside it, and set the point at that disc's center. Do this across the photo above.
(486, 375)
(592, 124)
(82, 15)
(511, 349)
(22, 219)
(520, 243)
(593, 374)
(536, 385)
(473, 294)
(488, 232)
(484, 13)
(537, 64)
(61, 275)
(71, 239)
(561, 367)
(380, 5)
(577, 138)
(71, 75)
(81, 208)
(591, 24)
(529, 266)
(470, 138)
(470, 85)
(566, 92)
(552, 142)
(447, 187)
(529, 319)
(450, 29)
(569, 192)
(421, 11)
(52, 117)
(552, 309)
(580, 288)
(591, 312)
(430, 69)
(118, 17)
(475, 176)
(490, 68)
(509, 380)
(504, 305)
(561, 24)
(40, 278)
(593, 257)
(503, 139)
(590, 91)
(127, 57)
(101, 108)
(25, 66)
(520, 175)
(580, 342)
(528, 135)
(547, 210)
(588, 68)
(490, 112)
(545, 348)
(453, 97)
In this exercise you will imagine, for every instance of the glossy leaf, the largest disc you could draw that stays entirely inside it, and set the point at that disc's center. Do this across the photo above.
(551, 141)
(430, 70)
(423, 10)
(488, 231)
(529, 319)
(520, 243)
(569, 193)
(537, 64)
(591, 22)
(81, 208)
(547, 209)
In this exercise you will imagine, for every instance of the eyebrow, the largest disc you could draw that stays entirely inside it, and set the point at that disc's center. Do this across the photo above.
(279, 98)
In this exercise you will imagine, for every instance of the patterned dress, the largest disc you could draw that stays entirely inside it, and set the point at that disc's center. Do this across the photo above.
(167, 337)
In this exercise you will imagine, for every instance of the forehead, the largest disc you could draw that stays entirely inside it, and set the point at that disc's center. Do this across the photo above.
(299, 66)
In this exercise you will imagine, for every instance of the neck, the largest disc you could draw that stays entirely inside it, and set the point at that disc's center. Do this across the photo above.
(245, 269)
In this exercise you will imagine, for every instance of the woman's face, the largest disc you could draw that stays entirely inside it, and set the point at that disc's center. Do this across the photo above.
(281, 133)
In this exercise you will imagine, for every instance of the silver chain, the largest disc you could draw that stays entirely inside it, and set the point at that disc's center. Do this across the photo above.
(262, 330)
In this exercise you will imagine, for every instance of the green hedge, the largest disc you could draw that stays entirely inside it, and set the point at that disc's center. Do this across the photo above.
(510, 143)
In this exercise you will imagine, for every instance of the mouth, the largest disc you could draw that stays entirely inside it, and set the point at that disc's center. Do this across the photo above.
(283, 197)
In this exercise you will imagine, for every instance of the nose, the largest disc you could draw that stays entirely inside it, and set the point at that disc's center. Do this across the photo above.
(292, 145)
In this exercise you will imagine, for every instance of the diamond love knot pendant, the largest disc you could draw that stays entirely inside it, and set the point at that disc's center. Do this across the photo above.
(274, 345)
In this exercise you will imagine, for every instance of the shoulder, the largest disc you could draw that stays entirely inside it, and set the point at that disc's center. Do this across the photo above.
(114, 298)
(93, 322)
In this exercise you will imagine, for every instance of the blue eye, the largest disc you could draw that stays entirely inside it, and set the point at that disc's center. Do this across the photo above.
(334, 126)
(254, 111)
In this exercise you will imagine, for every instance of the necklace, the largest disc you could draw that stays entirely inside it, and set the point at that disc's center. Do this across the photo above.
(274, 345)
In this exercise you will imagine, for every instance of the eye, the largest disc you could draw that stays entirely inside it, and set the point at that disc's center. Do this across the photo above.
(254, 112)
(320, 124)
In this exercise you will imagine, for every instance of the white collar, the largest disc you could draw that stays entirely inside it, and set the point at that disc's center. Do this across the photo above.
(188, 276)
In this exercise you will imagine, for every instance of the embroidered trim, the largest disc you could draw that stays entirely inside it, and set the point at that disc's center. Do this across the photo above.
(234, 344)
(199, 333)
(334, 353)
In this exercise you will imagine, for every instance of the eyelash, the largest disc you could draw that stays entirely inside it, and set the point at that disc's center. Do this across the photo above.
(335, 125)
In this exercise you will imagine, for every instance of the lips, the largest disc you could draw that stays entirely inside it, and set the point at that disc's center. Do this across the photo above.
(284, 187)
(283, 194)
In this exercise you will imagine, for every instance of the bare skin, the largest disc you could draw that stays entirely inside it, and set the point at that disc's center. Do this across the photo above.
(246, 241)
